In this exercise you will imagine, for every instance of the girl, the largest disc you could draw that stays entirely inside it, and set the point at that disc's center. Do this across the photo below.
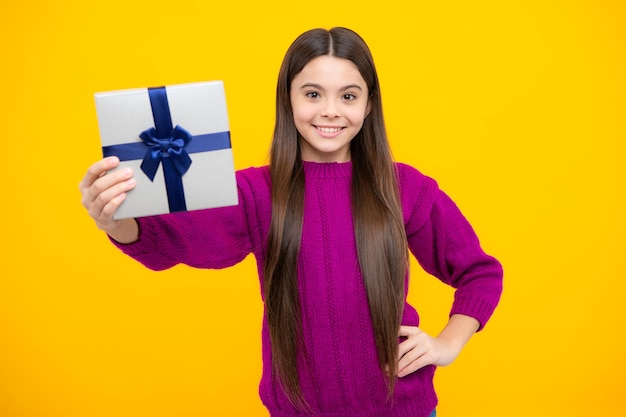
(330, 221)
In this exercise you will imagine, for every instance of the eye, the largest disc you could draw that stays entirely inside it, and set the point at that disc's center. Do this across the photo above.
(312, 94)
(348, 97)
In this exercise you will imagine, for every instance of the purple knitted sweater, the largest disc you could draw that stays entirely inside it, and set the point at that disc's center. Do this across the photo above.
(341, 377)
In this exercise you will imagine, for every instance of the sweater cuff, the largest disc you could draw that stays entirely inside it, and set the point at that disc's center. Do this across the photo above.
(478, 308)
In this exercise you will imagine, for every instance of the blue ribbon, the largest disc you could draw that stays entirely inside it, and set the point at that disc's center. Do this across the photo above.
(169, 146)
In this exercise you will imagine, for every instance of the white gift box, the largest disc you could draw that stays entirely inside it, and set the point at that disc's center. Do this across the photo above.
(177, 141)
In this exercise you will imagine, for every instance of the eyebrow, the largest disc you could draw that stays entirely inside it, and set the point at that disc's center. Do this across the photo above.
(319, 87)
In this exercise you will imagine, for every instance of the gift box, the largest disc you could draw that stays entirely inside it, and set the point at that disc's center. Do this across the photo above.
(177, 141)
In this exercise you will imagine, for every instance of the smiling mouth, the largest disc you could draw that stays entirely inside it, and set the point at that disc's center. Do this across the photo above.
(328, 129)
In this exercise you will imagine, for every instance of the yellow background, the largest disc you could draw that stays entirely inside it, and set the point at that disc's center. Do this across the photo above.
(517, 108)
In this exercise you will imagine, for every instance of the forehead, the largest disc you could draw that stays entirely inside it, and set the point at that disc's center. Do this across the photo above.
(329, 71)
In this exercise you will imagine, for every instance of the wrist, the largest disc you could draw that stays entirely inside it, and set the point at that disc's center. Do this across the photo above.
(458, 331)
(125, 232)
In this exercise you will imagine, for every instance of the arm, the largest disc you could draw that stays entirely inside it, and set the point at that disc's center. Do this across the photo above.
(446, 246)
(212, 238)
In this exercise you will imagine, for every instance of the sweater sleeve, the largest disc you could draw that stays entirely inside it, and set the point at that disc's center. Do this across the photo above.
(446, 246)
(212, 238)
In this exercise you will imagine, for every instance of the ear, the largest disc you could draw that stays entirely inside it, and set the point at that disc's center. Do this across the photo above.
(368, 109)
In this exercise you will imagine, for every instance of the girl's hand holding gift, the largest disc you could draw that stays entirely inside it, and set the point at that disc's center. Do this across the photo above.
(103, 192)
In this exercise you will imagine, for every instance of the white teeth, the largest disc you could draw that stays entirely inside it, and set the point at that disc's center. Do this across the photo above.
(329, 129)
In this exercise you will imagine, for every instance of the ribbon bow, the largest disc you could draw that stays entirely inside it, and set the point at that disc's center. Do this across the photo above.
(171, 147)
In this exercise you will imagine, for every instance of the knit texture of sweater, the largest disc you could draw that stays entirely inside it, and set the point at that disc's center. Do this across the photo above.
(341, 376)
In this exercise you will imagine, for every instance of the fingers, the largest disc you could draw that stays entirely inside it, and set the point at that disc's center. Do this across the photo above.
(106, 202)
(414, 360)
(97, 170)
(407, 331)
(106, 187)
(410, 332)
(102, 192)
(416, 352)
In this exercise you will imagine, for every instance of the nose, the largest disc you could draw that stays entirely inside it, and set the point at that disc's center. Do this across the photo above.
(330, 110)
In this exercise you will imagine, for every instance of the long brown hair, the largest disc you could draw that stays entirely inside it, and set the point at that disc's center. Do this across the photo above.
(378, 223)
